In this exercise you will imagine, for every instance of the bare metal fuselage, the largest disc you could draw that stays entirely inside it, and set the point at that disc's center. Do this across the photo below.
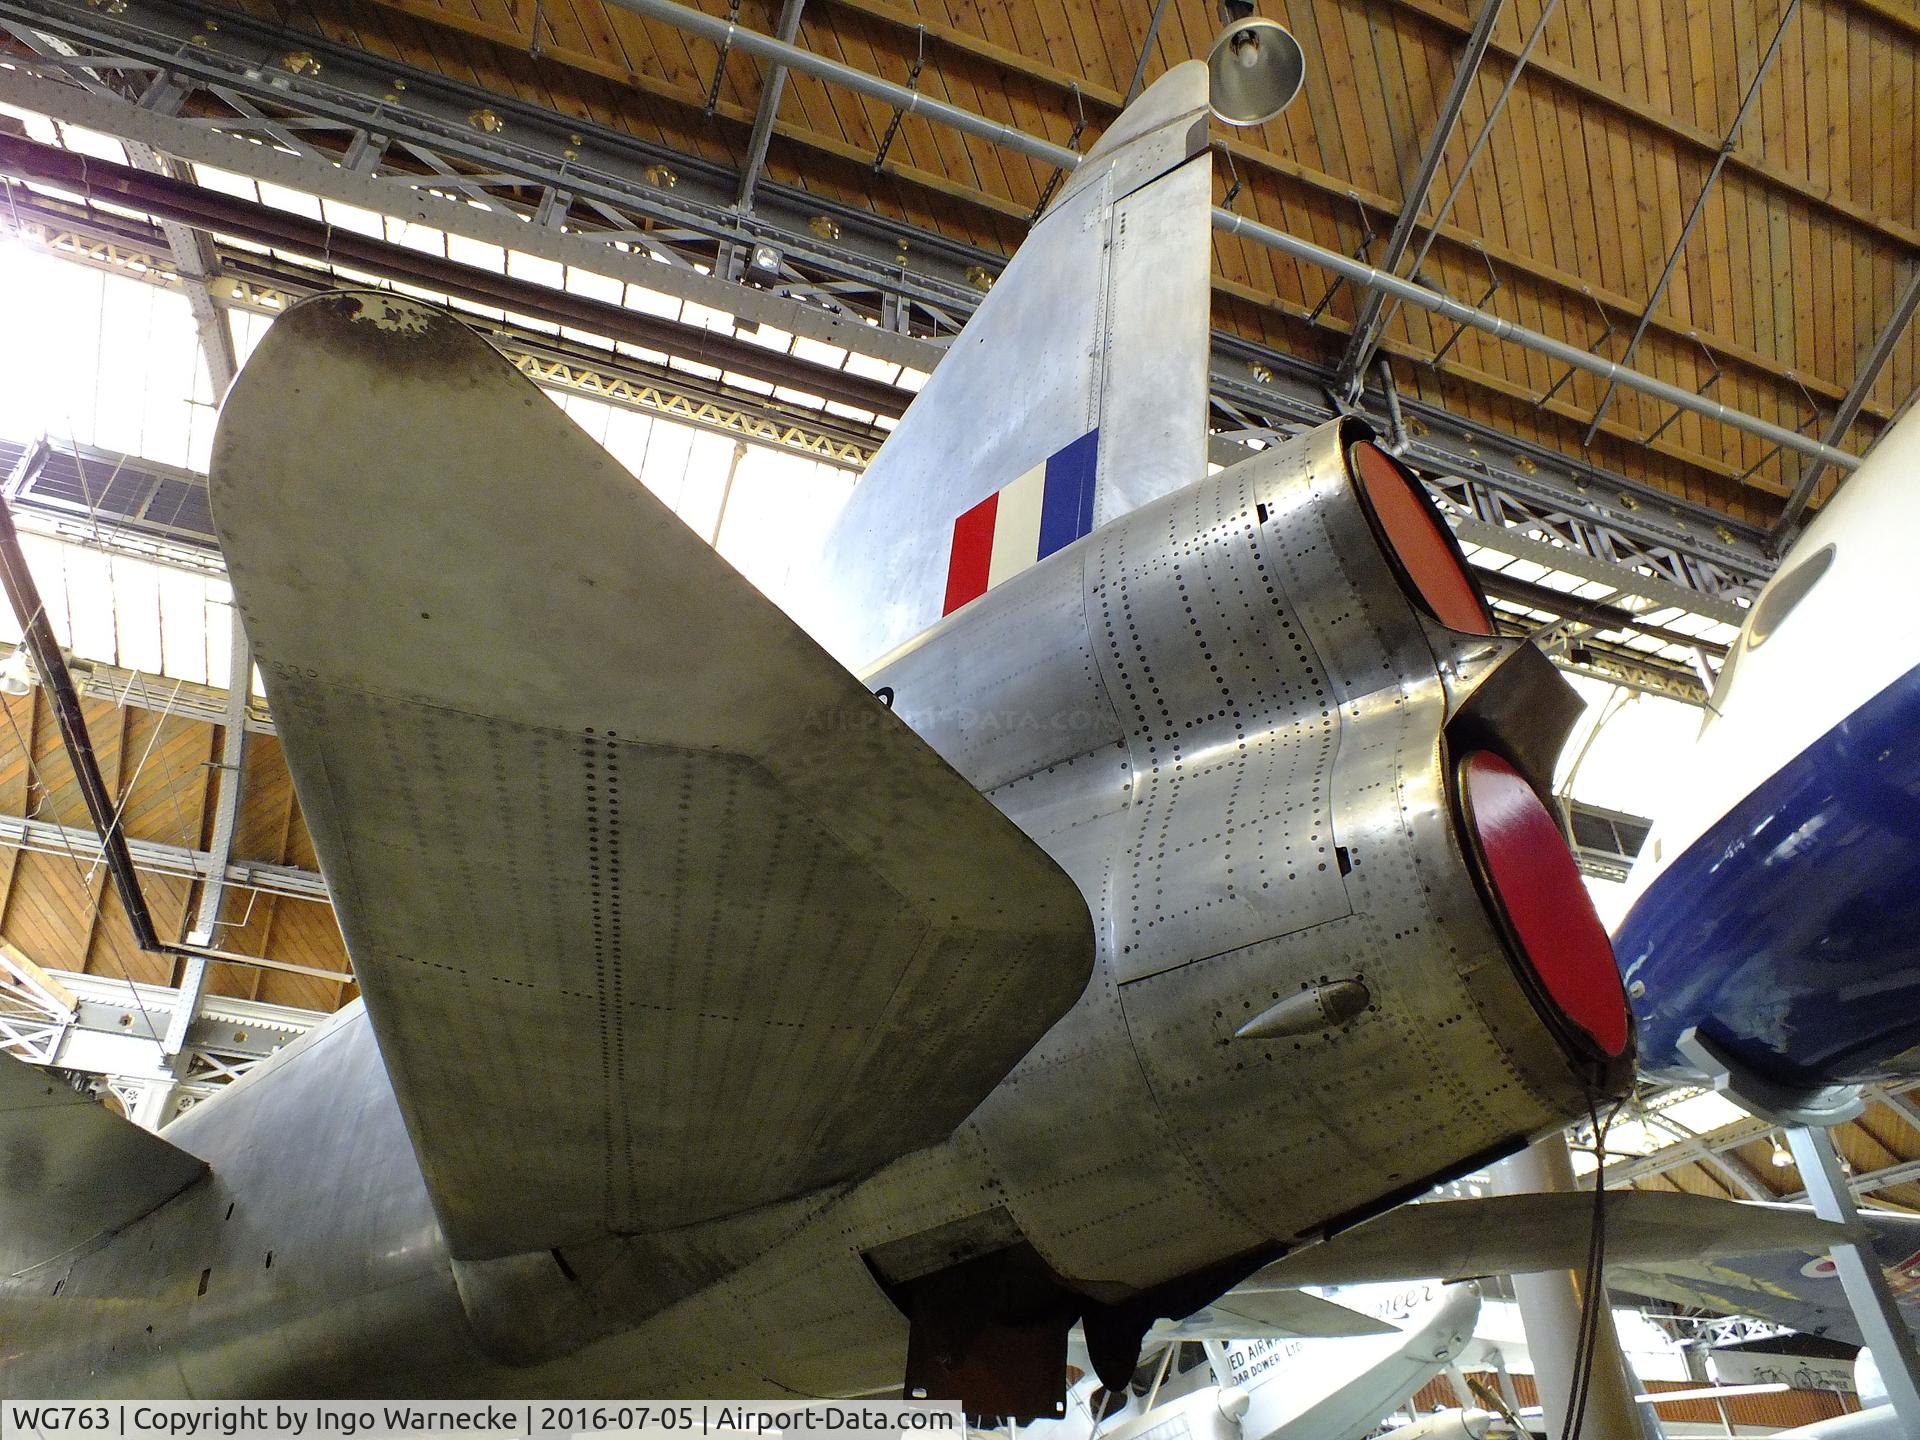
(1224, 718)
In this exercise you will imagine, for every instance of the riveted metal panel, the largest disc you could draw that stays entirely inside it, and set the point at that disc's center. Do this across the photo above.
(572, 779)
(1230, 728)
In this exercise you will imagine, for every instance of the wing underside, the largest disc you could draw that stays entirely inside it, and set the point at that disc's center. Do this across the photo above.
(71, 1170)
(1521, 1234)
(660, 916)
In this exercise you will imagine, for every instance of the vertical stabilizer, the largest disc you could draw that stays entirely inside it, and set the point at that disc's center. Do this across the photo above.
(1076, 392)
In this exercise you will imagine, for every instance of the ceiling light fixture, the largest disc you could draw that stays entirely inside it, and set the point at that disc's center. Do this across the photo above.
(1256, 67)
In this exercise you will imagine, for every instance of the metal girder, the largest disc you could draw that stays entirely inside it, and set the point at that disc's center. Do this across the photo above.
(165, 198)
(1135, 85)
(226, 812)
(1849, 410)
(50, 666)
(183, 699)
(1875, 1310)
(547, 185)
(848, 277)
(1744, 1132)
(769, 107)
(159, 858)
(1734, 1169)
(1605, 842)
(1593, 613)
(1521, 538)
(226, 818)
(1522, 498)
(1366, 324)
(1787, 14)
(192, 260)
(91, 1036)
(192, 254)
(1615, 662)
(1904, 1172)
(266, 285)
(1617, 665)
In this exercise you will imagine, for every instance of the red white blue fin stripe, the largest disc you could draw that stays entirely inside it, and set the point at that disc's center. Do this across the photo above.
(1046, 509)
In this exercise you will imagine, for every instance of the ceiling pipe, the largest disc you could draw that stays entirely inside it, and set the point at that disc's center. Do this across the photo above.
(913, 102)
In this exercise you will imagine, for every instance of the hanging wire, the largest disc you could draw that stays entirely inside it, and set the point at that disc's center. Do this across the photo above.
(35, 774)
(1593, 1297)
(720, 61)
(1073, 144)
(1233, 172)
(1617, 700)
(913, 83)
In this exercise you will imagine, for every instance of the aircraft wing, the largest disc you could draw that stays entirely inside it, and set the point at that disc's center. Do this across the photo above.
(660, 916)
(1254, 1312)
(71, 1169)
(1519, 1234)
(1798, 1288)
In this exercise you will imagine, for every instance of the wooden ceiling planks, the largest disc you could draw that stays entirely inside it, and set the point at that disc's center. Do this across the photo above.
(1575, 203)
(58, 906)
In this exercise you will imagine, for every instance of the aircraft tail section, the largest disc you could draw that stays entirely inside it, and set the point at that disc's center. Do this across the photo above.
(1077, 392)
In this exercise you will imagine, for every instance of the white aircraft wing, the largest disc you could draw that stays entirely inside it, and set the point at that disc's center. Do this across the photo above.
(1258, 1312)
(71, 1170)
(1521, 1234)
(659, 914)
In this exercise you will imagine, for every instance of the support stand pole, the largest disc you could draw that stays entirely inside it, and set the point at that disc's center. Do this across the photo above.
(1808, 1116)
(1550, 1304)
(1881, 1324)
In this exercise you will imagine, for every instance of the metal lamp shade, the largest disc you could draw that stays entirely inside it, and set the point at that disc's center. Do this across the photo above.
(1256, 68)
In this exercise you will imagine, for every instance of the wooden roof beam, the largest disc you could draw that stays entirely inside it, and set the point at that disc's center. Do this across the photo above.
(1701, 141)
(1365, 338)
(1787, 15)
(666, 90)
(1255, 157)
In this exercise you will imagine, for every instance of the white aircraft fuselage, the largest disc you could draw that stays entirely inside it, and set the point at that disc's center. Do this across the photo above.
(1774, 901)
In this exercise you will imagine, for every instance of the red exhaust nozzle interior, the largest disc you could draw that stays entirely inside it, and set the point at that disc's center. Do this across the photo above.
(1417, 541)
(1537, 888)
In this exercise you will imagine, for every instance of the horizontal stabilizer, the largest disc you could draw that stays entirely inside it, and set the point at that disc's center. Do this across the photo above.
(660, 915)
(71, 1169)
(1521, 1234)
(1260, 1312)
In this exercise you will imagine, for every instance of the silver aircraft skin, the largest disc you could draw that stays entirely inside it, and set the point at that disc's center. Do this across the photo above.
(1225, 715)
